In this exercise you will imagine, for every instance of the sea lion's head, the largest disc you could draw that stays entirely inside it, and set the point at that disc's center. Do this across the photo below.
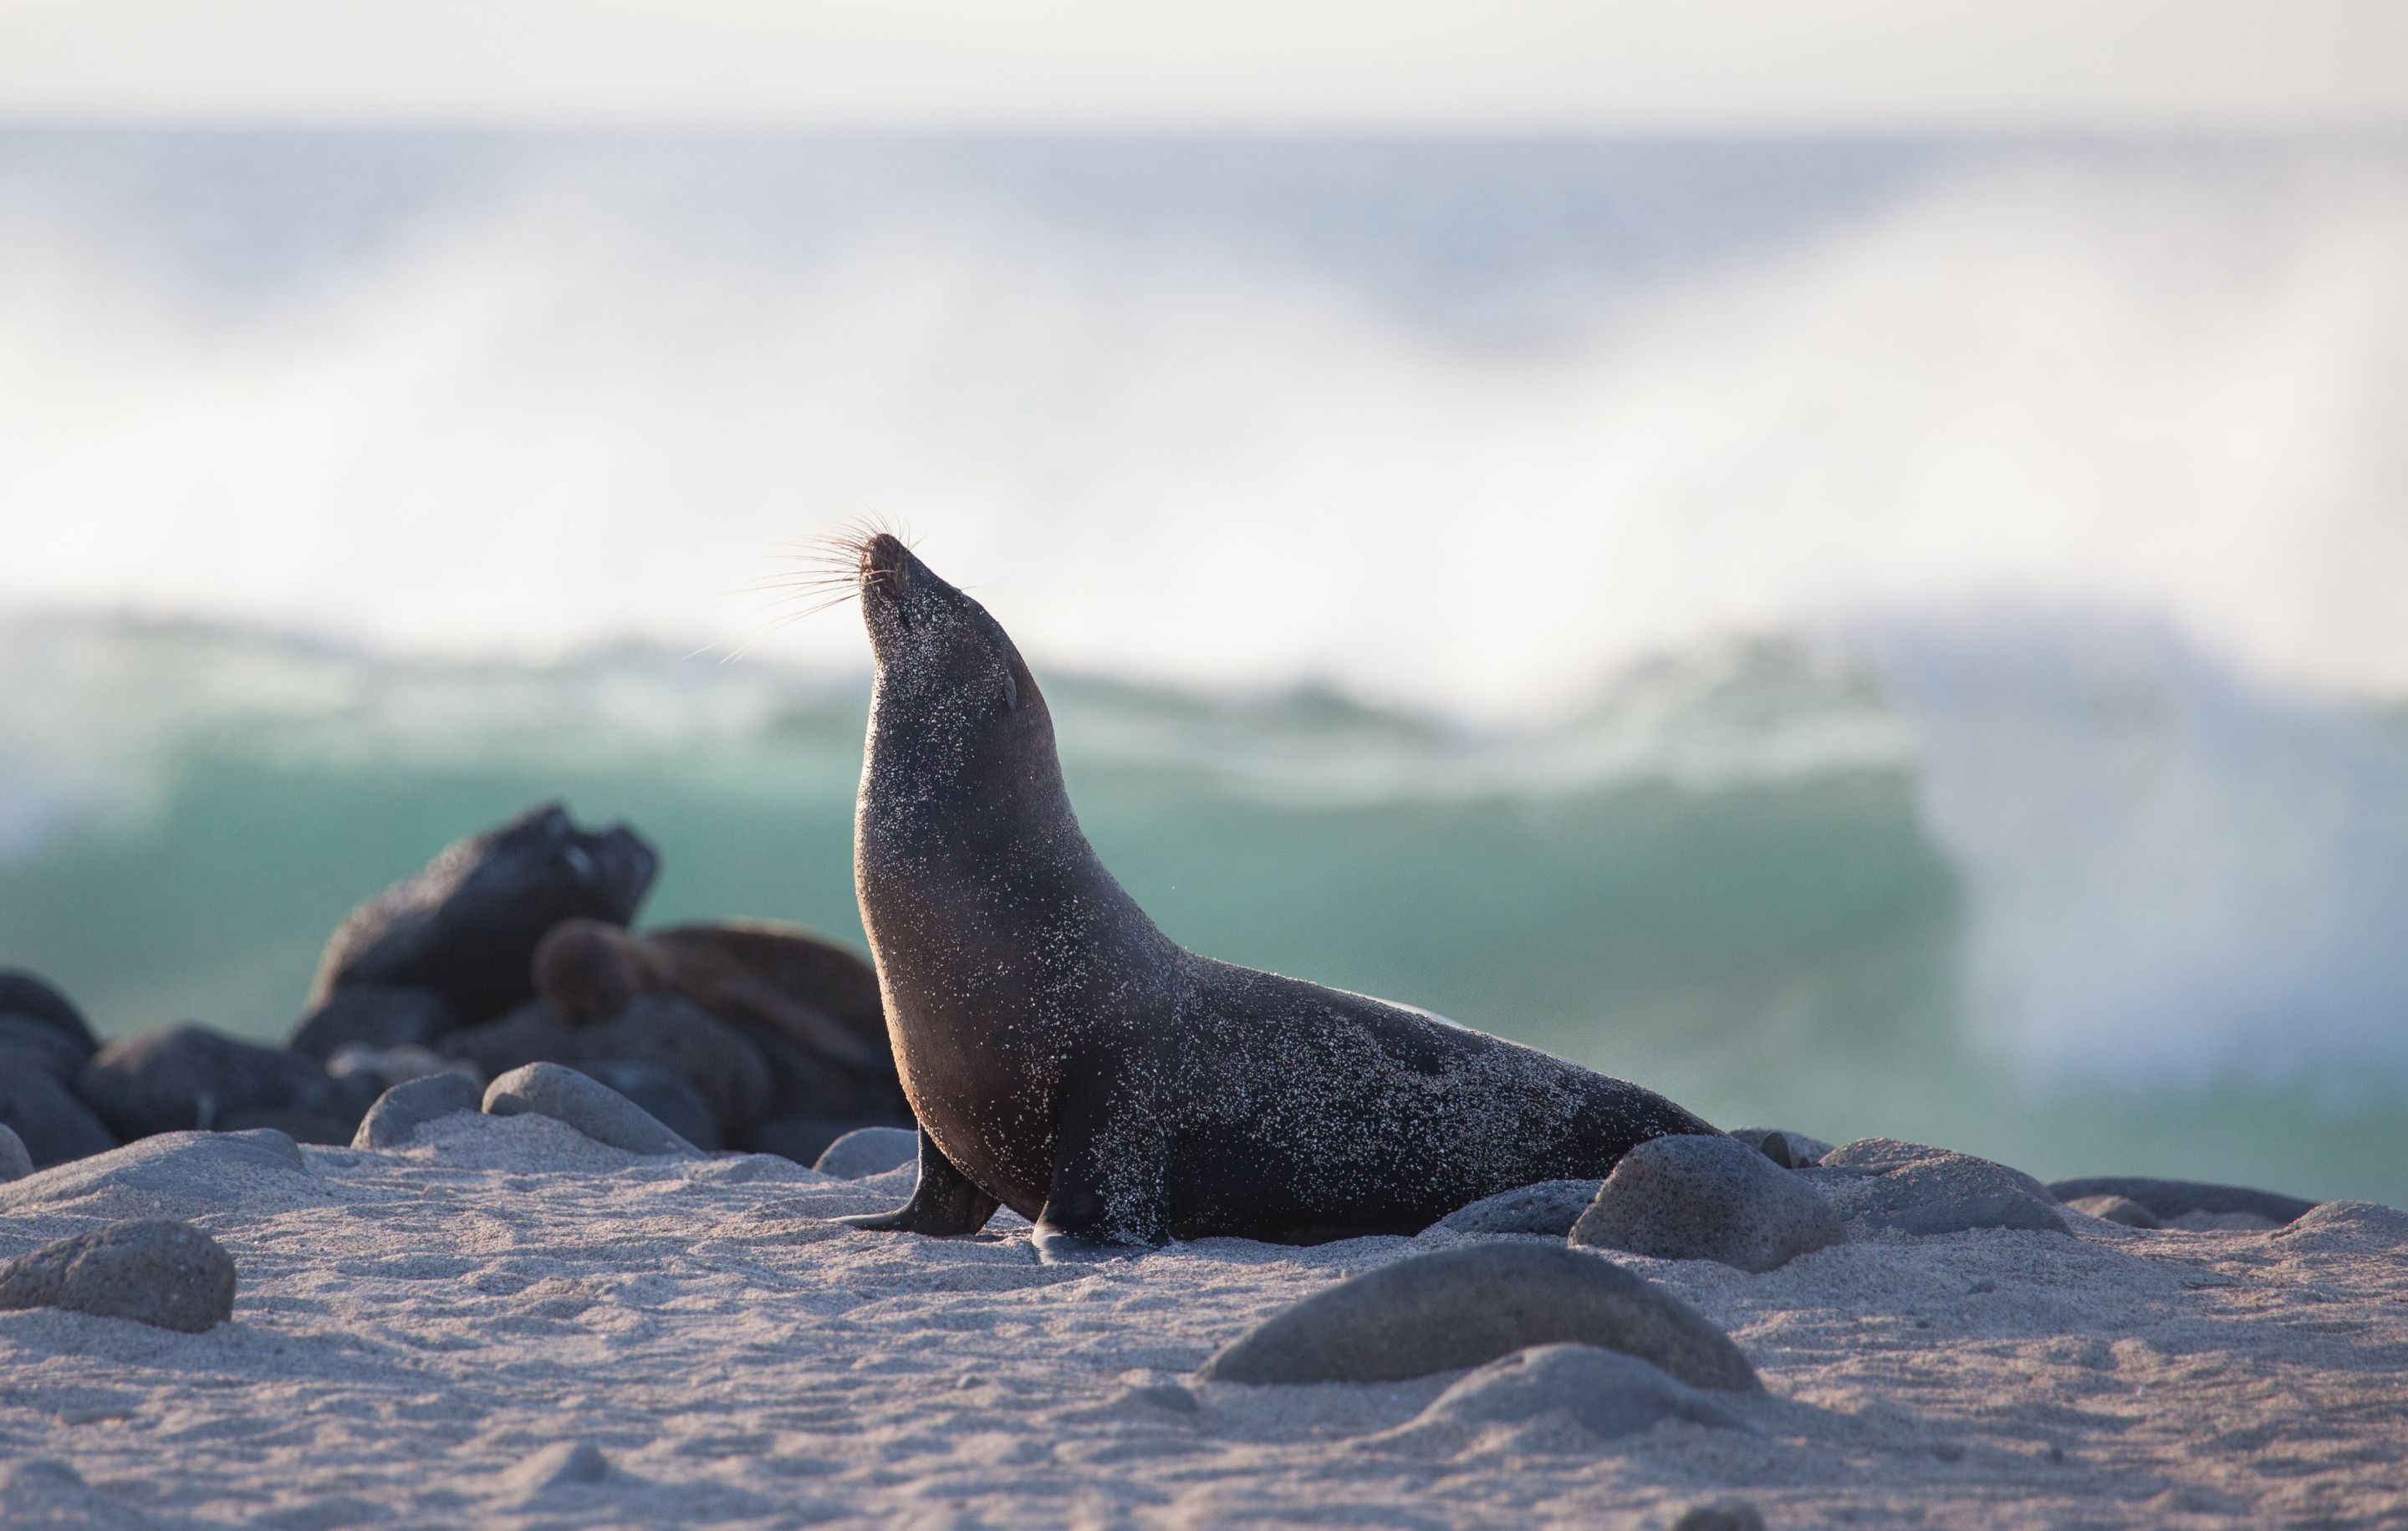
(586, 971)
(953, 692)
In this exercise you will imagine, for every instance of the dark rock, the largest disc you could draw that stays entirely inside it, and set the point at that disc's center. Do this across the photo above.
(1549, 1208)
(667, 1098)
(54, 1122)
(592, 1107)
(467, 925)
(532, 1033)
(374, 1015)
(1943, 1193)
(1880, 1156)
(1789, 1150)
(23, 994)
(2122, 1209)
(1720, 1515)
(154, 1271)
(26, 1041)
(723, 1065)
(14, 1163)
(800, 1138)
(188, 1077)
(1607, 1393)
(1692, 1197)
(2169, 1199)
(869, 1150)
(400, 1112)
(1465, 1307)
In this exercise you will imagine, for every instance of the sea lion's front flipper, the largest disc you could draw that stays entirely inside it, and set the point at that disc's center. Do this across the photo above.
(943, 1202)
(1109, 1164)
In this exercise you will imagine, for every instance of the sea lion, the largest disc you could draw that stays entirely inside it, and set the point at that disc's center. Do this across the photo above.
(811, 1006)
(1068, 1060)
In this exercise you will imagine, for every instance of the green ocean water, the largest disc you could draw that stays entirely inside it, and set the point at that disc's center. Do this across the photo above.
(1723, 880)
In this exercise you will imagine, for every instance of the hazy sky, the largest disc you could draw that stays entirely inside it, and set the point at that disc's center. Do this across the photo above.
(1501, 65)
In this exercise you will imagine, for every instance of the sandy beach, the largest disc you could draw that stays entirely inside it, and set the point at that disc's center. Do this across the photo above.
(435, 1336)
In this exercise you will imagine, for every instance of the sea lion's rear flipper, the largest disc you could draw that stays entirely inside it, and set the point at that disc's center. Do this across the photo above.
(1108, 1164)
(943, 1203)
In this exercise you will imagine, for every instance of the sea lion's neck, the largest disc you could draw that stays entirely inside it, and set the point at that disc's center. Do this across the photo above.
(964, 843)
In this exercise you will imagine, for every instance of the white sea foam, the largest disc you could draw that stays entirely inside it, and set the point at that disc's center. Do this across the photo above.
(567, 410)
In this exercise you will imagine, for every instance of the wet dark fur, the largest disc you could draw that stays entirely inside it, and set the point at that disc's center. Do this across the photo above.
(1068, 1060)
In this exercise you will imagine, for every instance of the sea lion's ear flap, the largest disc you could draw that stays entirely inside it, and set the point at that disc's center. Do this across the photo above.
(1010, 691)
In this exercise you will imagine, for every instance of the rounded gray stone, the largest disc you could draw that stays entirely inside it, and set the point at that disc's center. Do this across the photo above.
(2169, 1199)
(1880, 1156)
(869, 1150)
(1549, 1208)
(594, 1108)
(14, 1163)
(1942, 1193)
(400, 1112)
(1607, 1393)
(156, 1271)
(1465, 1307)
(1692, 1197)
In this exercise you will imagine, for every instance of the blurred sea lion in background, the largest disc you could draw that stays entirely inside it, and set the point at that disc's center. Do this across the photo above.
(811, 1006)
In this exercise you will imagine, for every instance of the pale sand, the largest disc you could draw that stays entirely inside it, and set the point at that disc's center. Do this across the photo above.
(422, 1336)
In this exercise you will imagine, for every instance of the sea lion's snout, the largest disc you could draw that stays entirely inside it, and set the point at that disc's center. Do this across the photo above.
(886, 567)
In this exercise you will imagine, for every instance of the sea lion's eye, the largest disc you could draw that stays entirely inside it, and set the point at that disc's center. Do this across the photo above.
(1010, 692)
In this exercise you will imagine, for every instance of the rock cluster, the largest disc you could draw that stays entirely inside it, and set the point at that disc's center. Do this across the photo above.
(508, 950)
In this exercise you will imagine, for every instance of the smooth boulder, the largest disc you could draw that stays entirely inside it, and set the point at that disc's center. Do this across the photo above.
(1607, 1393)
(2167, 1200)
(466, 927)
(52, 1120)
(1934, 1192)
(869, 1150)
(1880, 1156)
(23, 994)
(28, 1043)
(1549, 1208)
(186, 1078)
(14, 1163)
(1692, 1197)
(1465, 1307)
(379, 1016)
(594, 1108)
(400, 1112)
(154, 1270)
